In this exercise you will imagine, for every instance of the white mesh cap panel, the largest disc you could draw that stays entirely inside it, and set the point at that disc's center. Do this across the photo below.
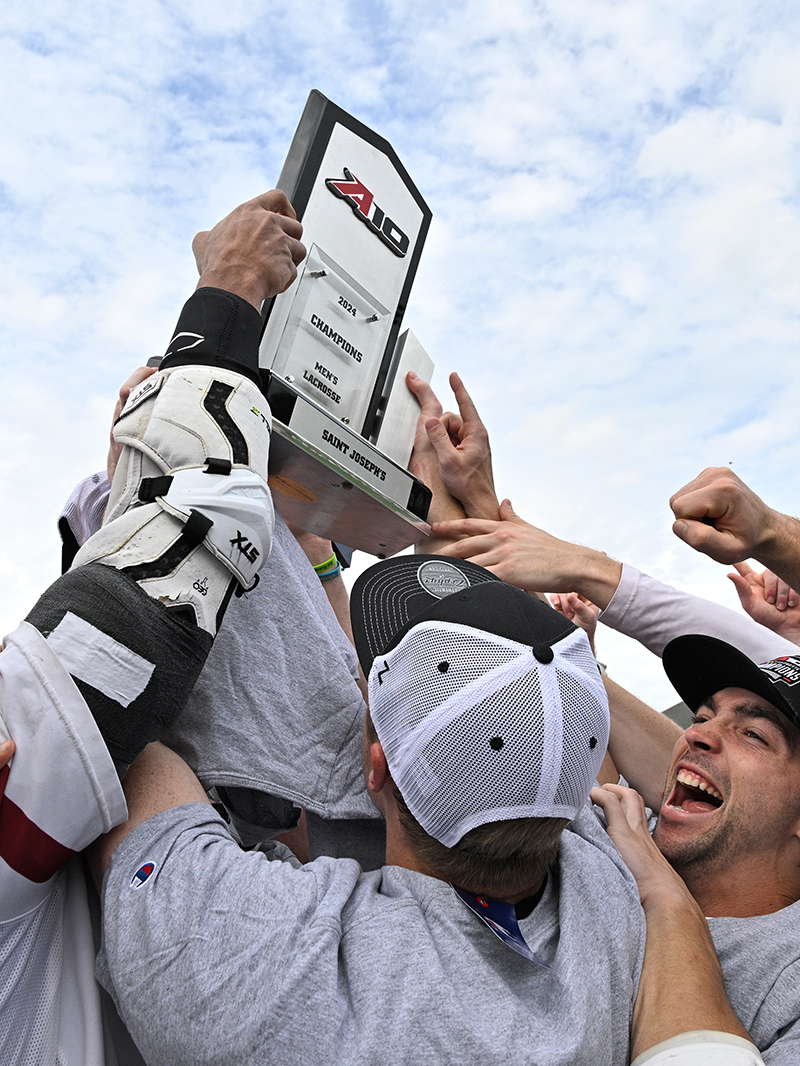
(474, 728)
(435, 662)
(585, 714)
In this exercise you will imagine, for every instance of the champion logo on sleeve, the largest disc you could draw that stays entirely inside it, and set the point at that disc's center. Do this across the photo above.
(142, 874)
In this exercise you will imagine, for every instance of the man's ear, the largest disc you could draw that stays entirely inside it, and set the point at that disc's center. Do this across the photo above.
(378, 770)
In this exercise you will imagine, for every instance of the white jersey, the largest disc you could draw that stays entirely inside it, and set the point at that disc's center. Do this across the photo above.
(57, 794)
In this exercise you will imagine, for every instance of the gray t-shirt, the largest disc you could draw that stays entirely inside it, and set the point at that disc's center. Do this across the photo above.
(277, 707)
(243, 957)
(760, 959)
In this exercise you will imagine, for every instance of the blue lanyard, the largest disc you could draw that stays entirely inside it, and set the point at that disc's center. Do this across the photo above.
(501, 919)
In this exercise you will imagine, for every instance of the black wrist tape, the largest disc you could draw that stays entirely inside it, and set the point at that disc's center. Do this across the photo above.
(216, 328)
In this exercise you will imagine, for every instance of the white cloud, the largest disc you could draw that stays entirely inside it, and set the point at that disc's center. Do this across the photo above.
(613, 263)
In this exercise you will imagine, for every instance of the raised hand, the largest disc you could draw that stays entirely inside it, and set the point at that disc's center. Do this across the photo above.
(579, 610)
(530, 558)
(768, 600)
(254, 251)
(719, 515)
(460, 446)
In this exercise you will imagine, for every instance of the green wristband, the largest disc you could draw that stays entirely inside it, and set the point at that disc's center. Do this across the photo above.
(329, 564)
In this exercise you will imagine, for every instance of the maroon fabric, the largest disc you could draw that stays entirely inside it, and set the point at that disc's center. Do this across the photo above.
(23, 845)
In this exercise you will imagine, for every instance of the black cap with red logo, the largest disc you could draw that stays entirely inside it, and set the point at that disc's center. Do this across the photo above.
(699, 666)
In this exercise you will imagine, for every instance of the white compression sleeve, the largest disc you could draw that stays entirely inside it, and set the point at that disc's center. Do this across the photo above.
(703, 1047)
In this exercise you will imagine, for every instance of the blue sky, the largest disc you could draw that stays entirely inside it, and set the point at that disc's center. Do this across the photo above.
(613, 265)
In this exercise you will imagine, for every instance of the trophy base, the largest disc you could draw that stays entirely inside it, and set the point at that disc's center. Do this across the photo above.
(330, 481)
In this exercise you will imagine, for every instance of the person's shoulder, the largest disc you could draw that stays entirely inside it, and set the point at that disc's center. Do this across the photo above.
(787, 918)
(382, 895)
(587, 851)
(191, 845)
(778, 928)
(760, 960)
(598, 900)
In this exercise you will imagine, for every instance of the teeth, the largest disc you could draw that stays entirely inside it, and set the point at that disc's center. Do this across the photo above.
(687, 778)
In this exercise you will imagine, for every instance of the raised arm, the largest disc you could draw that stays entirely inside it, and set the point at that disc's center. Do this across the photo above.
(640, 743)
(654, 613)
(523, 555)
(632, 602)
(461, 446)
(320, 554)
(185, 437)
(681, 990)
(254, 251)
(721, 516)
(157, 780)
(424, 462)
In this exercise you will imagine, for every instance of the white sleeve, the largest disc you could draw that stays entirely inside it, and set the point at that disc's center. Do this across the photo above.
(701, 1048)
(654, 613)
(60, 790)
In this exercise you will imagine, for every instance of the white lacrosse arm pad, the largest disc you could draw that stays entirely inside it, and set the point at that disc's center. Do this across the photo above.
(703, 1047)
(240, 506)
(189, 504)
(177, 419)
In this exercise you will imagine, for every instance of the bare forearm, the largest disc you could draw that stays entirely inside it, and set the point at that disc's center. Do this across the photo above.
(553, 565)
(444, 508)
(530, 558)
(780, 548)
(339, 600)
(681, 988)
(597, 576)
(641, 742)
(319, 551)
(156, 781)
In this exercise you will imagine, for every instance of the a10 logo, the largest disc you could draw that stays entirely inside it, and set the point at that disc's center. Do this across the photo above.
(354, 192)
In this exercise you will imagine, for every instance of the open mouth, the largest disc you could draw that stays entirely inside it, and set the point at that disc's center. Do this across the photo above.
(694, 794)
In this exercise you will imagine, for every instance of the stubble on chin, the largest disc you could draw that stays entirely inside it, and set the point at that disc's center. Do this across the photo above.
(686, 854)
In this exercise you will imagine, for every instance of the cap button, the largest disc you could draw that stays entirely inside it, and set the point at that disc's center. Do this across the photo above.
(543, 653)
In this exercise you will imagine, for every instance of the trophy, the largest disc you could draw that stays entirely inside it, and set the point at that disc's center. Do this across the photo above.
(331, 354)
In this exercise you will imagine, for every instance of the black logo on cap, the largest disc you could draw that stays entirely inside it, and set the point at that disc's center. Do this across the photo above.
(785, 669)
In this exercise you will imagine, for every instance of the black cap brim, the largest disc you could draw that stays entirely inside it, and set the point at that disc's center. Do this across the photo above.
(394, 595)
(699, 666)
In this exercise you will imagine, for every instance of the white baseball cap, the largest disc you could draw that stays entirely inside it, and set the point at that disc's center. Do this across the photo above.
(488, 703)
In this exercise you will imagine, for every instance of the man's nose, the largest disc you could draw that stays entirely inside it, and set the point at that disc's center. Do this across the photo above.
(703, 736)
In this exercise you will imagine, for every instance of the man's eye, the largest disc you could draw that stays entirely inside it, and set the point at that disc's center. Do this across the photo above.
(755, 736)
(698, 719)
